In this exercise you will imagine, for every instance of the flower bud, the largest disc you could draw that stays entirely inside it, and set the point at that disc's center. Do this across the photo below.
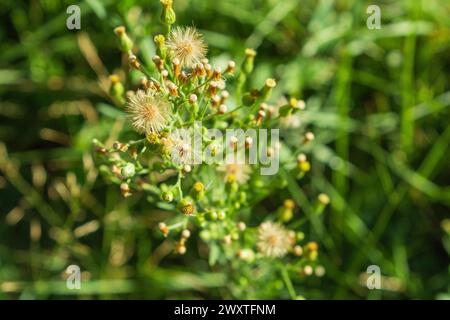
(230, 67)
(193, 98)
(173, 89)
(128, 171)
(212, 89)
(134, 61)
(247, 65)
(116, 89)
(224, 96)
(186, 206)
(176, 67)
(168, 16)
(125, 190)
(324, 199)
(160, 42)
(298, 251)
(309, 136)
(180, 248)
(185, 234)
(126, 44)
(222, 109)
(217, 74)
(167, 196)
(163, 228)
(267, 89)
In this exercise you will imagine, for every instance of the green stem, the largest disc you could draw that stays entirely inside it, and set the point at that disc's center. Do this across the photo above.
(288, 283)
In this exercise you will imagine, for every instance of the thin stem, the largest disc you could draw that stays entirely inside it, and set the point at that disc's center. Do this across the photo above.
(288, 283)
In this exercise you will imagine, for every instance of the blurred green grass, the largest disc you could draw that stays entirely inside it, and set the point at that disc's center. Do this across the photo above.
(377, 99)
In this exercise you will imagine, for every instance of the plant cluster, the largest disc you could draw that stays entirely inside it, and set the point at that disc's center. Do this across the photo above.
(182, 92)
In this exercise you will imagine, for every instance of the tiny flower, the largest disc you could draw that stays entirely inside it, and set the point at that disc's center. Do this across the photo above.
(208, 70)
(176, 67)
(289, 204)
(224, 96)
(173, 89)
(180, 248)
(239, 172)
(312, 246)
(167, 196)
(273, 240)
(186, 206)
(215, 101)
(158, 62)
(193, 98)
(198, 187)
(164, 74)
(223, 108)
(184, 77)
(270, 83)
(199, 70)
(212, 89)
(301, 157)
(187, 45)
(307, 270)
(148, 112)
(309, 136)
(241, 226)
(217, 74)
(230, 67)
(185, 233)
(128, 171)
(134, 61)
(182, 147)
(319, 271)
(298, 251)
(248, 142)
(187, 168)
(163, 228)
(125, 190)
(233, 142)
(323, 199)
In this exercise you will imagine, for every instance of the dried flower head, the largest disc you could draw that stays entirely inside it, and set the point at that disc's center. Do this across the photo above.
(148, 112)
(186, 45)
(273, 240)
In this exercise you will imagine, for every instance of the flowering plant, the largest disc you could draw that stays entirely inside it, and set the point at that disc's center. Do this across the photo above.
(212, 187)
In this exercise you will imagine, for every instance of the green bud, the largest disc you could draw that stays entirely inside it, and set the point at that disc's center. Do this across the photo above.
(128, 171)
(168, 15)
(247, 65)
(267, 89)
(221, 215)
(186, 206)
(213, 215)
(161, 49)
(242, 197)
(126, 44)
(167, 196)
(116, 89)
(285, 214)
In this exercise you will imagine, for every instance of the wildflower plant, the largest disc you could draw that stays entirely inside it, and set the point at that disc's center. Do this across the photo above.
(180, 163)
